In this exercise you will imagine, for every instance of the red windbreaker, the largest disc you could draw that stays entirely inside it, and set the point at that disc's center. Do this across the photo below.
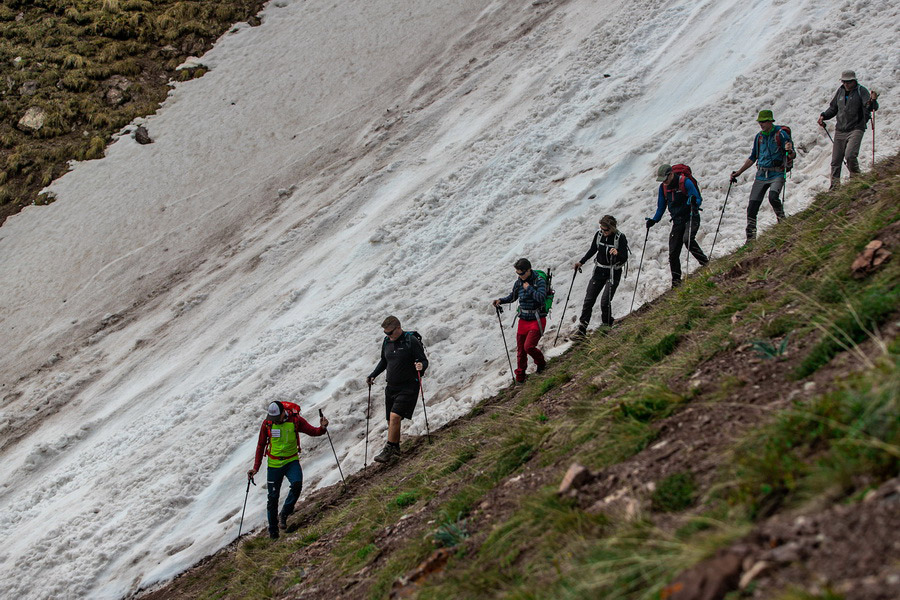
(300, 424)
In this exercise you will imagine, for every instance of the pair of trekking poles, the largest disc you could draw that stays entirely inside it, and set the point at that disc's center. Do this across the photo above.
(369, 406)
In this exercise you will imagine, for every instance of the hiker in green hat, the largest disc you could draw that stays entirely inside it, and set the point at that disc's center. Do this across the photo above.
(853, 106)
(773, 153)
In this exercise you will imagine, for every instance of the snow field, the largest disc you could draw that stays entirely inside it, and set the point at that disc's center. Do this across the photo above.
(338, 164)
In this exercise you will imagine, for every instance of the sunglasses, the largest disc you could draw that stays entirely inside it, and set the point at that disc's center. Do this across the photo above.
(391, 332)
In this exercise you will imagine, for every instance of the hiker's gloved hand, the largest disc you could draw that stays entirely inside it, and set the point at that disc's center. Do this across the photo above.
(370, 381)
(789, 147)
(323, 422)
(734, 176)
(821, 121)
(496, 303)
(251, 473)
(578, 266)
(419, 366)
(650, 222)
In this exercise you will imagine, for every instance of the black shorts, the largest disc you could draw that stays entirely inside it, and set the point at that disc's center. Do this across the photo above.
(400, 400)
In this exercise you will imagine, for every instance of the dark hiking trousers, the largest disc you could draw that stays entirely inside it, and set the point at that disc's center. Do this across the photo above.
(274, 477)
(598, 283)
(757, 193)
(684, 233)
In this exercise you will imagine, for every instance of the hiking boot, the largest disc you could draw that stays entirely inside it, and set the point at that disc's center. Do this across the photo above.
(273, 534)
(282, 521)
(390, 451)
(542, 368)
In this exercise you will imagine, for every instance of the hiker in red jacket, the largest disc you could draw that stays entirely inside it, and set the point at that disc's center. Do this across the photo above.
(279, 439)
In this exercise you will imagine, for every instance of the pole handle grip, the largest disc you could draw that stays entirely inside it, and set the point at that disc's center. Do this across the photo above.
(321, 416)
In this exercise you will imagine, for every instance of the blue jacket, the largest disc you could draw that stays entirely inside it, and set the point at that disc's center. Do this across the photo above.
(767, 152)
(530, 300)
(677, 201)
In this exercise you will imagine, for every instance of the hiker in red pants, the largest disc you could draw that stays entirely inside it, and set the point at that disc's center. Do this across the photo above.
(531, 292)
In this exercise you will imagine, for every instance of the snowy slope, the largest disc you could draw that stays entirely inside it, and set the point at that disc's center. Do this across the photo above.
(339, 163)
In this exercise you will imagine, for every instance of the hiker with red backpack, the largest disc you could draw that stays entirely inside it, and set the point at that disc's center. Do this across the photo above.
(680, 193)
(531, 290)
(610, 248)
(403, 357)
(279, 439)
(773, 153)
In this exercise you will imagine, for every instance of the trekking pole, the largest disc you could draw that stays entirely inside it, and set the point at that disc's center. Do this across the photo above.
(249, 481)
(503, 333)
(687, 262)
(873, 140)
(640, 264)
(828, 133)
(321, 416)
(722, 214)
(422, 389)
(784, 189)
(565, 306)
(368, 409)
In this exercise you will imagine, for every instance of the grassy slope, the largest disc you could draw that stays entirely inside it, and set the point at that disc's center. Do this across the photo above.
(63, 57)
(697, 428)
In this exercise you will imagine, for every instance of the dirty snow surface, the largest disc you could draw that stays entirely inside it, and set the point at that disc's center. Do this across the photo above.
(339, 163)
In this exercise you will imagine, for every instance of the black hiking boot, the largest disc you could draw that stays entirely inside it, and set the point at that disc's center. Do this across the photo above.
(282, 521)
(390, 452)
(273, 534)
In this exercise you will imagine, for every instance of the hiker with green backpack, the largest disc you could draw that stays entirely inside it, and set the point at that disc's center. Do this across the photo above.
(532, 290)
(773, 153)
(403, 357)
(610, 249)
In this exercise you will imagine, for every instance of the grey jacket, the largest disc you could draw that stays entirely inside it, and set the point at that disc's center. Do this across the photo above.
(853, 108)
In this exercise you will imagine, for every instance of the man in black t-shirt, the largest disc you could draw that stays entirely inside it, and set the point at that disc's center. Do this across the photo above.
(403, 357)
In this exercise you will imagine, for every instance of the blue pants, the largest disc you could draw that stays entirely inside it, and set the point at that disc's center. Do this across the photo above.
(274, 477)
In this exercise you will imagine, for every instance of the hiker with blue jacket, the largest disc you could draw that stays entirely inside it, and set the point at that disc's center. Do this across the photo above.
(610, 249)
(853, 105)
(403, 357)
(679, 193)
(773, 151)
(531, 292)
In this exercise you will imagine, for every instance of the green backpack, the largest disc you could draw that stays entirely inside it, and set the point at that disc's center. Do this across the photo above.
(547, 277)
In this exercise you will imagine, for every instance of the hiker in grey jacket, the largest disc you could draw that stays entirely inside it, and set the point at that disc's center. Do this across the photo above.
(853, 106)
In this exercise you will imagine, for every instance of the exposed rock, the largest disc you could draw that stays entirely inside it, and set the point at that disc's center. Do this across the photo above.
(873, 256)
(29, 88)
(709, 580)
(785, 554)
(116, 88)
(408, 585)
(254, 21)
(752, 573)
(575, 477)
(619, 505)
(33, 119)
(142, 136)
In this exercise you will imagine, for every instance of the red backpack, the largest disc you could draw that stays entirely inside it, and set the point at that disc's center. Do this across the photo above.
(779, 143)
(683, 171)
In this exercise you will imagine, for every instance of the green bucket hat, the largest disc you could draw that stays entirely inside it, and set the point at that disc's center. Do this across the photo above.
(662, 172)
(765, 115)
